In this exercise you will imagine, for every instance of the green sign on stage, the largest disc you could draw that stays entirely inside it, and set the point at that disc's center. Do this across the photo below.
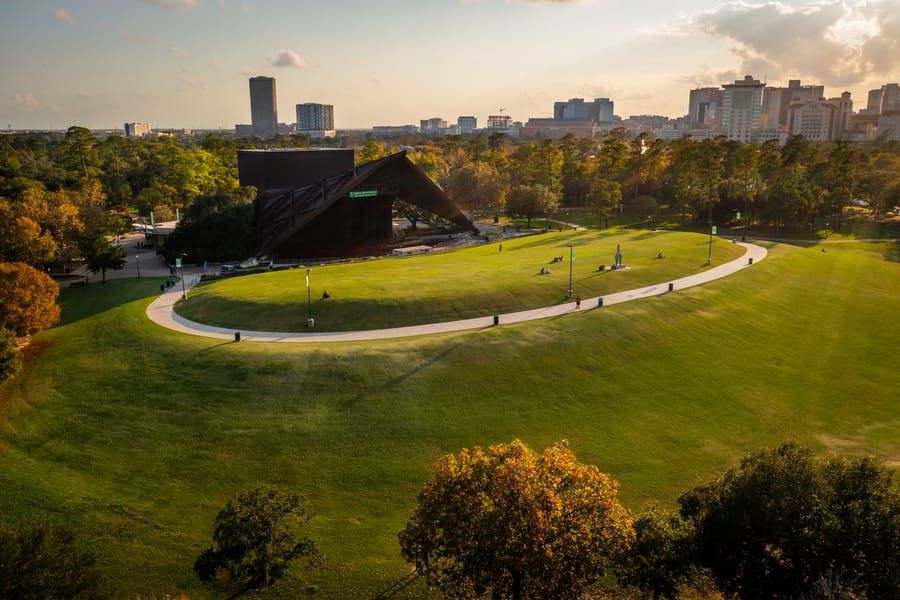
(738, 216)
(177, 262)
(363, 193)
(714, 230)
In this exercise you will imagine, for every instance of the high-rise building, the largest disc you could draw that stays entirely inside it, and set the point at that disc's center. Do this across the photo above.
(704, 108)
(843, 115)
(813, 119)
(873, 104)
(741, 108)
(776, 99)
(890, 99)
(315, 119)
(576, 109)
(137, 129)
(263, 106)
(466, 125)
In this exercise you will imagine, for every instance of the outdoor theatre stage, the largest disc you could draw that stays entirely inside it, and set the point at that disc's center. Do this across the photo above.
(333, 209)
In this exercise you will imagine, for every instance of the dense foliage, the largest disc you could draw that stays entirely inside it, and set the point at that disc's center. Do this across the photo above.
(516, 524)
(784, 522)
(100, 254)
(10, 361)
(43, 559)
(257, 537)
(27, 299)
(218, 227)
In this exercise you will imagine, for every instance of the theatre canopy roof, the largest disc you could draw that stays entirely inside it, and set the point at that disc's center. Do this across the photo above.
(286, 214)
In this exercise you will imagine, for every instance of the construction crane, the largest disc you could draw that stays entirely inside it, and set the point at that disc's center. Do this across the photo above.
(501, 111)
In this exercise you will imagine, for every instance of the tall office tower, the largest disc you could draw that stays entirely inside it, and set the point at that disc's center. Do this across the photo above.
(813, 119)
(434, 125)
(873, 104)
(890, 99)
(315, 117)
(263, 106)
(741, 108)
(466, 125)
(137, 129)
(576, 109)
(704, 108)
(776, 99)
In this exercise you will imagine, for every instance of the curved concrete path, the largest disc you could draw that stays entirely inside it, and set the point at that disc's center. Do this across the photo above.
(161, 310)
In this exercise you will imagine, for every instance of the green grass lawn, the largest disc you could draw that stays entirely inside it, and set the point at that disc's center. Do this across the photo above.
(139, 435)
(472, 282)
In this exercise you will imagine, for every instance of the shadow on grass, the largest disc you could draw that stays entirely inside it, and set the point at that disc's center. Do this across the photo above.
(93, 299)
(892, 252)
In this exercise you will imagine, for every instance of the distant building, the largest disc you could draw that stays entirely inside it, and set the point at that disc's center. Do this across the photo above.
(433, 126)
(263, 106)
(704, 108)
(600, 111)
(873, 104)
(555, 129)
(813, 119)
(741, 109)
(776, 99)
(394, 129)
(137, 129)
(890, 99)
(888, 127)
(499, 122)
(315, 120)
(843, 115)
(466, 125)
(243, 129)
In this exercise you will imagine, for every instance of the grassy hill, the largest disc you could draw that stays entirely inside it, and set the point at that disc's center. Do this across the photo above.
(139, 435)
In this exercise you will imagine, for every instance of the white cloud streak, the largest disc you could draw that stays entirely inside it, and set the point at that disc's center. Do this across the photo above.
(289, 59)
(179, 52)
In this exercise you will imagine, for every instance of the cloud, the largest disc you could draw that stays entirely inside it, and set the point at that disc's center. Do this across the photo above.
(64, 16)
(175, 4)
(836, 42)
(27, 100)
(289, 58)
(192, 81)
(179, 52)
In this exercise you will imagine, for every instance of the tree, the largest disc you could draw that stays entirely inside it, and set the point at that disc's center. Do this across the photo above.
(531, 201)
(514, 523)
(100, 254)
(42, 559)
(659, 561)
(478, 186)
(21, 239)
(257, 537)
(216, 227)
(10, 361)
(774, 526)
(372, 149)
(27, 299)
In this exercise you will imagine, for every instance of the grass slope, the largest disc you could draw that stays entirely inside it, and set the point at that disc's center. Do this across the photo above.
(471, 282)
(139, 435)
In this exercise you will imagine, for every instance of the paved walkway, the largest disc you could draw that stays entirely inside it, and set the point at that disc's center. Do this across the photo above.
(161, 310)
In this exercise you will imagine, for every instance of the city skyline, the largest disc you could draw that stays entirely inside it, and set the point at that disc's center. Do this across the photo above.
(185, 63)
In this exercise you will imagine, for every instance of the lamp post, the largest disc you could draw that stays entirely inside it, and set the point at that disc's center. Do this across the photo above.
(137, 261)
(309, 319)
(737, 216)
(183, 291)
(709, 254)
(571, 260)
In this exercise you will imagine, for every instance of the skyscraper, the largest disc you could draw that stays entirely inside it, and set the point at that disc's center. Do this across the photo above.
(315, 117)
(263, 106)
(741, 108)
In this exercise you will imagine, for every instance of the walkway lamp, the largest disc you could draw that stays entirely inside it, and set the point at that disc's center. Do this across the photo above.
(309, 320)
(180, 261)
(712, 230)
(571, 261)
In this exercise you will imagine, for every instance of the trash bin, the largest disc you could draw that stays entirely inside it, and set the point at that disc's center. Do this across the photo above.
(750, 261)
(162, 287)
(496, 319)
(671, 287)
(237, 336)
(599, 301)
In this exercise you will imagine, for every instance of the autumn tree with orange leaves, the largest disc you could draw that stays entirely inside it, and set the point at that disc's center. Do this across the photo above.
(27, 299)
(512, 523)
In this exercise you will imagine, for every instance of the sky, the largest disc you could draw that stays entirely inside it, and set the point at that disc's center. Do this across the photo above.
(186, 63)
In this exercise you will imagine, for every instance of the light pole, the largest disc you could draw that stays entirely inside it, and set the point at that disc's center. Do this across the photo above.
(571, 260)
(137, 261)
(709, 255)
(309, 319)
(737, 216)
(183, 291)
